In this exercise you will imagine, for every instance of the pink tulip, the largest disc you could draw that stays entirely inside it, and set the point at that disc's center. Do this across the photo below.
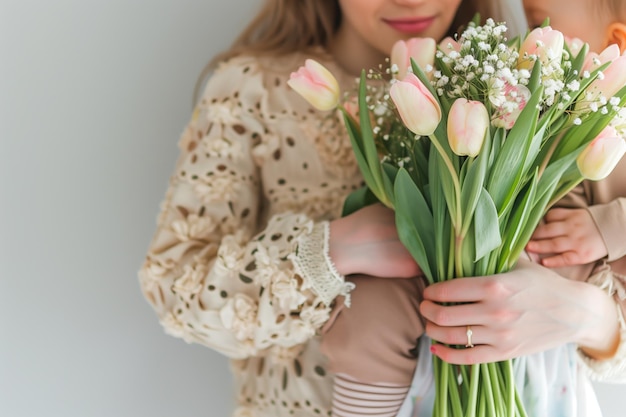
(612, 80)
(599, 158)
(418, 108)
(422, 50)
(546, 43)
(468, 122)
(593, 60)
(316, 84)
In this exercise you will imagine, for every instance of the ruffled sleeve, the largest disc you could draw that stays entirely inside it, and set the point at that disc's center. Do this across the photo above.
(216, 273)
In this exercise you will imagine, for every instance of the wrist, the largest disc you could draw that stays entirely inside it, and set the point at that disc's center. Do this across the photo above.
(337, 248)
(599, 338)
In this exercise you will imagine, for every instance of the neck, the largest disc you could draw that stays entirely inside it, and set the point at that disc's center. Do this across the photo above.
(353, 54)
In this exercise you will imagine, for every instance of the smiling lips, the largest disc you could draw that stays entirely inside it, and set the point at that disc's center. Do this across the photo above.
(412, 25)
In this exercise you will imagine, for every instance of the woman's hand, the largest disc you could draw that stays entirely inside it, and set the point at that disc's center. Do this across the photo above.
(367, 242)
(527, 310)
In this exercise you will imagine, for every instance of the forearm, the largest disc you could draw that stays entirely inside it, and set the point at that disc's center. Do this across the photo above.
(373, 340)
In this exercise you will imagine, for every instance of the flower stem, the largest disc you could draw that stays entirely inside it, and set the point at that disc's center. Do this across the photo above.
(497, 387)
(481, 403)
(473, 391)
(488, 390)
(465, 386)
(443, 389)
(437, 371)
(458, 256)
(520, 406)
(455, 399)
(511, 394)
(456, 219)
(549, 154)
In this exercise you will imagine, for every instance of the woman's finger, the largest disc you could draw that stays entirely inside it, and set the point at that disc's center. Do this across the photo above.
(459, 335)
(467, 290)
(455, 315)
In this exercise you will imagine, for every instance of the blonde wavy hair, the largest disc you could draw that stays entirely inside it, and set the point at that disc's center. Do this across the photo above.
(283, 27)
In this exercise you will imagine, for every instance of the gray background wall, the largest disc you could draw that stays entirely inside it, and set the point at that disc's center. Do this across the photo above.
(93, 96)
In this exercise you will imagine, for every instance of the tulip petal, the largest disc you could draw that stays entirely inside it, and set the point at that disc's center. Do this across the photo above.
(601, 156)
(419, 110)
(468, 122)
(316, 84)
(421, 50)
(544, 43)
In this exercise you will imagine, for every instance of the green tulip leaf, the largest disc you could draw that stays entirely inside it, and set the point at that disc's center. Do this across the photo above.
(357, 200)
(414, 222)
(473, 183)
(519, 216)
(535, 77)
(549, 179)
(389, 177)
(534, 216)
(444, 237)
(357, 145)
(423, 78)
(486, 226)
(367, 137)
(577, 63)
(530, 162)
(419, 161)
(468, 253)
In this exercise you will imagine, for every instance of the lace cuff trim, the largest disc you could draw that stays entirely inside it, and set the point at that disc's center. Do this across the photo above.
(613, 369)
(313, 263)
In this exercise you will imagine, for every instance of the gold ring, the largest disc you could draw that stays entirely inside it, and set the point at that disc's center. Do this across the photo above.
(469, 334)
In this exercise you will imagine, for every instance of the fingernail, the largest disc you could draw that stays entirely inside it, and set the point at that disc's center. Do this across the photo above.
(433, 349)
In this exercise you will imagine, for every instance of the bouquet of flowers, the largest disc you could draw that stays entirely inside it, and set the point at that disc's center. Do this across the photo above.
(470, 142)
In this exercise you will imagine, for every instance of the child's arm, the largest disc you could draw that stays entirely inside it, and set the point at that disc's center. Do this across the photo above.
(568, 237)
(371, 346)
(372, 340)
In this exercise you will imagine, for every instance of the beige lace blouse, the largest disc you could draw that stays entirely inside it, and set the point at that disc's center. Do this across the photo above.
(238, 262)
